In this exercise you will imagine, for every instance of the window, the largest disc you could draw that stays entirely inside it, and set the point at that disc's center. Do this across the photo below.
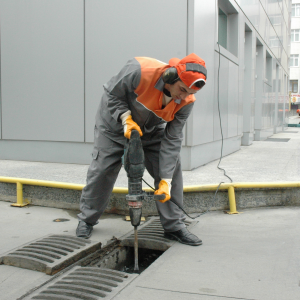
(274, 42)
(294, 60)
(275, 19)
(222, 29)
(228, 26)
(294, 86)
(295, 35)
(296, 10)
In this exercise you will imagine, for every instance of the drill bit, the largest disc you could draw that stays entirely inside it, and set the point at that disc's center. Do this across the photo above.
(136, 248)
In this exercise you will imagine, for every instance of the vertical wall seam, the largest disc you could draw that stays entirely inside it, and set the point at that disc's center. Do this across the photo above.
(84, 102)
(1, 117)
(187, 27)
(187, 51)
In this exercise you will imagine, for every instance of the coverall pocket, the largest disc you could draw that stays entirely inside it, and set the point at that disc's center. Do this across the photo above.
(95, 153)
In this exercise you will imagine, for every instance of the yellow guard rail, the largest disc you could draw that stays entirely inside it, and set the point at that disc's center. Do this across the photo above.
(187, 189)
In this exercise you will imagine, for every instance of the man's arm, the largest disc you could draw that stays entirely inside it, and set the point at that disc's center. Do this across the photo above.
(126, 81)
(171, 142)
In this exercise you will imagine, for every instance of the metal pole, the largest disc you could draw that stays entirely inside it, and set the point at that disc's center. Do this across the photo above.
(232, 203)
(136, 249)
(20, 201)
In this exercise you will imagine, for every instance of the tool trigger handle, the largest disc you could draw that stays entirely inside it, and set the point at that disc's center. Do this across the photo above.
(159, 197)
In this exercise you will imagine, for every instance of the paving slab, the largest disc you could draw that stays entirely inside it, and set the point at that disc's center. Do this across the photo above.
(254, 255)
(20, 226)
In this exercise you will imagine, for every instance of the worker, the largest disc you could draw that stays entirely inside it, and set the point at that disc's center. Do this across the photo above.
(155, 99)
(298, 112)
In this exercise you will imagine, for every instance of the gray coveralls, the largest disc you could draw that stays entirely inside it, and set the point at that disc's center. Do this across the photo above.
(161, 143)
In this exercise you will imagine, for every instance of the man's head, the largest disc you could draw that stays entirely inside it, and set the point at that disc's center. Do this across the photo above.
(179, 90)
(187, 75)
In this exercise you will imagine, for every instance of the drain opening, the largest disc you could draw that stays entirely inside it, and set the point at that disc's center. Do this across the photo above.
(119, 255)
(121, 258)
(146, 258)
(106, 271)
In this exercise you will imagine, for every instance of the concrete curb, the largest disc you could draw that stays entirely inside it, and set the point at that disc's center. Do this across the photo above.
(194, 202)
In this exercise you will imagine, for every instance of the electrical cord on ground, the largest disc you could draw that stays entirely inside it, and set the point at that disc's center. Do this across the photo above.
(214, 198)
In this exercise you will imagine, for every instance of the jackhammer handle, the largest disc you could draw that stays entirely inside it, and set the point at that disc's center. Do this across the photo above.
(159, 197)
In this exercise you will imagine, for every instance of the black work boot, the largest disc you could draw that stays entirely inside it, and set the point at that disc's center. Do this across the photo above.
(184, 236)
(84, 230)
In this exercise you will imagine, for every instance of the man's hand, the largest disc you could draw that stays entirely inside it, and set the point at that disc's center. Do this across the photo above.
(129, 125)
(164, 187)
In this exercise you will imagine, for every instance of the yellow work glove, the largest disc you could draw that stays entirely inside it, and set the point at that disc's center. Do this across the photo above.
(129, 125)
(164, 187)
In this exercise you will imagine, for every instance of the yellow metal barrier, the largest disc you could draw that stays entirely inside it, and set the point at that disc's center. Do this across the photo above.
(20, 201)
(187, 189)
(232, 203)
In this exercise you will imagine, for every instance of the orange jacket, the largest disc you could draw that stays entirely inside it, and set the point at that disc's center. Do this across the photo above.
(138, 87)
(151, 97)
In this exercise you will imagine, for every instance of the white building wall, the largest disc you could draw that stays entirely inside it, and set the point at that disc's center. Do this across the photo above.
(295, 71)
(56, 55)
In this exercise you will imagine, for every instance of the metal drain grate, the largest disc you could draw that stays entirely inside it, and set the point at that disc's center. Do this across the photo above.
(50, 254)
(151, 236)
(276, 140)
(88, 283)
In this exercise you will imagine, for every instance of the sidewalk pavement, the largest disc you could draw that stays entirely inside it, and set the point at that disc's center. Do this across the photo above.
(253, 255)
(263, 161)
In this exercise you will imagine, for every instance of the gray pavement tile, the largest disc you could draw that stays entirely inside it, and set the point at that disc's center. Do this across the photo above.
(150, 294)
(15, 282)
(23, 225)
(254, 255)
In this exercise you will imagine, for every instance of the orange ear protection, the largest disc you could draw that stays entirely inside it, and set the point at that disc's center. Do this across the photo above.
(170, 76)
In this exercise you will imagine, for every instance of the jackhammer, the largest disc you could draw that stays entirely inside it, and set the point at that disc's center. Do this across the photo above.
(135, 167)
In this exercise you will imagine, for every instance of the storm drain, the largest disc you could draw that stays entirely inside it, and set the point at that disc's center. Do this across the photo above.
(151, 236)
(88, 283)
(50, 254)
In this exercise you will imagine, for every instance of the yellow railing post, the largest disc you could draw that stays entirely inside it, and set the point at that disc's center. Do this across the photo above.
(20, 201)
(232, 203)
(187, 189)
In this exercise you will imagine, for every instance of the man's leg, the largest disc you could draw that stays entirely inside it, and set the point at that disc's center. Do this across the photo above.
(171, 216)
(101, 178)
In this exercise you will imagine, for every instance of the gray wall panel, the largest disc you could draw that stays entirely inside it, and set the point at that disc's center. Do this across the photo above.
(0, 82)
(58, 152)
(223, 99)
(42, 70)
(248, 71)
(259, 86)
(233, 93)
(204, 45)
(119, 30)
(57, 54)
(241, 77)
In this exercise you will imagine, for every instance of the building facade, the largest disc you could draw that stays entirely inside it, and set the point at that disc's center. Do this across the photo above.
(57, 54)
(294, 56)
